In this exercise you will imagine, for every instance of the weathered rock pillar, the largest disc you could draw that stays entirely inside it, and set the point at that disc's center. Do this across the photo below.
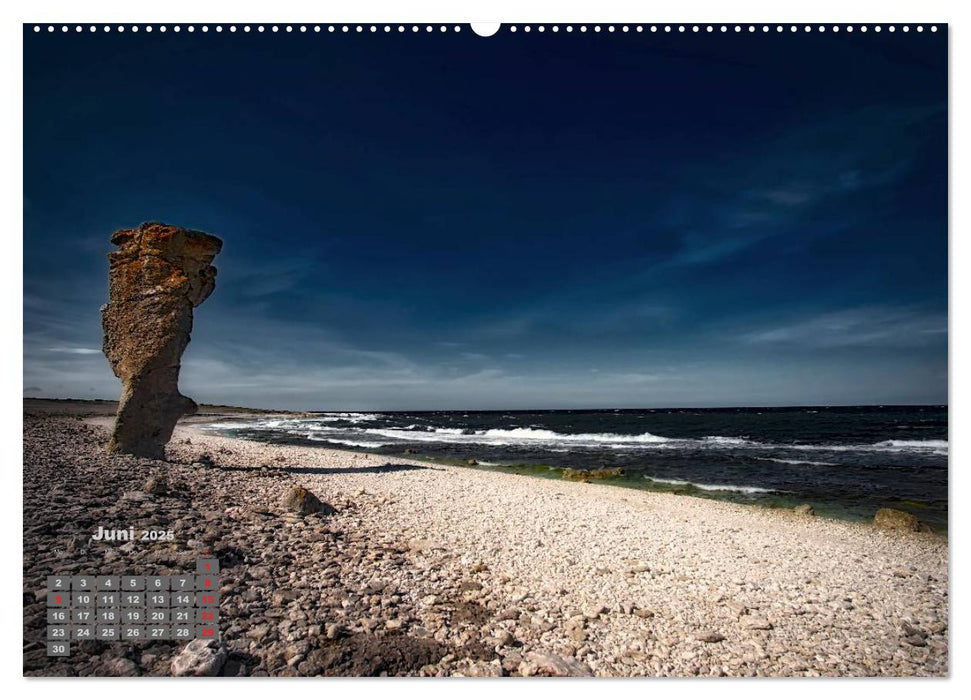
(156, 277)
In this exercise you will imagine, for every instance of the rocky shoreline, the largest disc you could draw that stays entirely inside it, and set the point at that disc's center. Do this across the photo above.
(431, 570)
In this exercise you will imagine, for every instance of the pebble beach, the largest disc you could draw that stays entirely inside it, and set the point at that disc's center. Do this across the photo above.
(431, 570)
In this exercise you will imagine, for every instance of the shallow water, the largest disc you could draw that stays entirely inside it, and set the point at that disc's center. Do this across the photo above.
(845, 461)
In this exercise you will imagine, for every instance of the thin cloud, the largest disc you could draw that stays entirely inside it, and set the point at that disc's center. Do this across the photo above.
(863, 326)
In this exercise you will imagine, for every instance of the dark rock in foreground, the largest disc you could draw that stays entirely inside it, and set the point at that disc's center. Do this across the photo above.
(586, 475)
(299, 500)
(891, 519)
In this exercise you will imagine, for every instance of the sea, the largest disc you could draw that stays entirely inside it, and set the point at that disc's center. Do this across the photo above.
(845, 461)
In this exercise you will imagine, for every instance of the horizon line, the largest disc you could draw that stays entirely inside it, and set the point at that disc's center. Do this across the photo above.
(537, 410)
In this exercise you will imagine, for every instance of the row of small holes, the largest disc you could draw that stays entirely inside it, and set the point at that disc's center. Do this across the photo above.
(233, 28)
(724, 28)
(415, 28)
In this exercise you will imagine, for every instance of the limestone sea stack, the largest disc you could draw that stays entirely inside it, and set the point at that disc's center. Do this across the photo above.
(158, 274)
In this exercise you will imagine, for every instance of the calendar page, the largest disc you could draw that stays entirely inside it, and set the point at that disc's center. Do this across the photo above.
(524, 349)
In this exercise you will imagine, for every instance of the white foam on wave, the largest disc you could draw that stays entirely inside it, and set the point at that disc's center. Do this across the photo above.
(920, 444)
(721, 440)
(351, 443)
(521, 436)
(351, 417)
(798, 461)
(550, 436)
(550, 439)
(711, 487)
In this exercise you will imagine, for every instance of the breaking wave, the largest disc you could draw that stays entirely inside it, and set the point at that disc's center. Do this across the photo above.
(348, 434)
(711, 487)
(797, 461)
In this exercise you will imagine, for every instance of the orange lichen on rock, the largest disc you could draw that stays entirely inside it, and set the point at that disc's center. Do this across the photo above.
(156, 277)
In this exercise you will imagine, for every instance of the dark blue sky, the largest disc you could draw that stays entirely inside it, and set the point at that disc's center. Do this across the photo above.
(448, 221)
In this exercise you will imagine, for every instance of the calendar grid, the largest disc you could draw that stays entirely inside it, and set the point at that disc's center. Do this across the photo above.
(132, 608)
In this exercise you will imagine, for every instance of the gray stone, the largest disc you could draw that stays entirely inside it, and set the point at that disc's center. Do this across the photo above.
(157, 485)
(541, 663)
(200, 657)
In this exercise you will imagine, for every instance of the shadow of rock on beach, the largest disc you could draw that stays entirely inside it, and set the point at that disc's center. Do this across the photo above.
(279, 471)
(376, 469)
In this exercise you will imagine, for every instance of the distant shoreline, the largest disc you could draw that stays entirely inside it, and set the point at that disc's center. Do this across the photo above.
(216, 408)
